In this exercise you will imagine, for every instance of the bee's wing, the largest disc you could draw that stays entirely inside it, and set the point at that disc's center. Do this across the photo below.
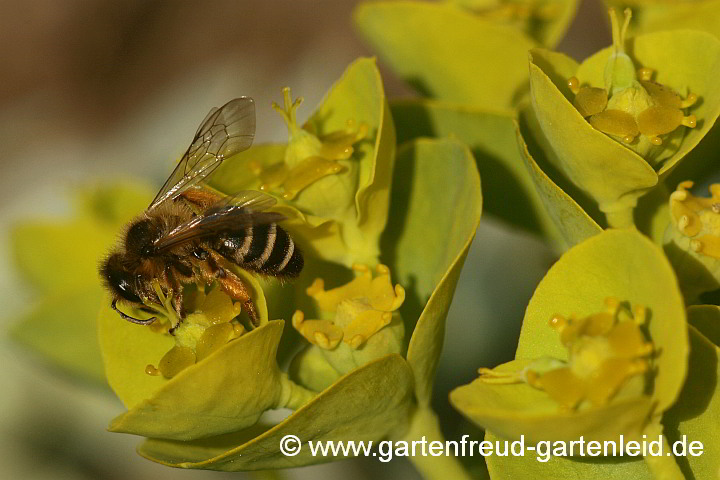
(224, 132)
(233, 213)
(253, 200)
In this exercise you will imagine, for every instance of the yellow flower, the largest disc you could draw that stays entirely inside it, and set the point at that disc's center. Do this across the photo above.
(309, 157)
(697, 218)
(211, 325)
(634, 111)
(605, 351)
(364, 318)
(692, 239)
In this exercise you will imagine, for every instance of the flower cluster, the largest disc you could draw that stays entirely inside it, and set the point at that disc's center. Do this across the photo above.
(633, 107)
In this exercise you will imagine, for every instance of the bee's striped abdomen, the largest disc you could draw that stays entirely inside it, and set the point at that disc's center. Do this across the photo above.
(266, 249)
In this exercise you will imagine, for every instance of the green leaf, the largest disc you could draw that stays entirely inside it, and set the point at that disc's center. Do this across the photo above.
(701, 15)
(696, 414)
(528, 467)
(366, 404)
(435, 211)
(706, 320)
(546, 22)
(114, 203)
(62, 328)
(571, 221)
(224, 392)
(700, 163)
(359, 95)
(311, 369)
(491, 137)
(552, 31)
(652, 215)
(627, 266)
(446, 52)
(78, 265)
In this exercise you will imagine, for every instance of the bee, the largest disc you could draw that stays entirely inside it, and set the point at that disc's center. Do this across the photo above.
(190, 234)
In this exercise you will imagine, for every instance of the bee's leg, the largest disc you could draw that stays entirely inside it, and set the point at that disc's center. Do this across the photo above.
(178, 303)
(236, 288)
(171, 279)
(232, 285)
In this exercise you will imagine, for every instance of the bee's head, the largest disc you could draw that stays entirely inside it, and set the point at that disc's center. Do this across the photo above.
(119, 279)
(140, 237)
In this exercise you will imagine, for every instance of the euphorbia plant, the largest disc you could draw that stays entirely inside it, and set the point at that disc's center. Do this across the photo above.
(615, 341)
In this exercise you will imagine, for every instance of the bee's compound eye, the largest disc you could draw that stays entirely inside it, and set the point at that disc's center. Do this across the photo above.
(124, 285)
(128, 292)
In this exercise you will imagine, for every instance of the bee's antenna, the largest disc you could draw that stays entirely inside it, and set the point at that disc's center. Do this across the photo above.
(129, 318)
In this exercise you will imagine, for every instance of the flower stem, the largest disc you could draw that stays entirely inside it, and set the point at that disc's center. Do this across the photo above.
(293, 396)
(620, 218)
(662, 467)
(425, 430)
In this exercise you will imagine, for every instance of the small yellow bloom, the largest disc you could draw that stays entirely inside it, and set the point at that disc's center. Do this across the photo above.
(309, 157)
(697, 218)
(207, 328)
(637, 110)
(605, 350)
(361, 307)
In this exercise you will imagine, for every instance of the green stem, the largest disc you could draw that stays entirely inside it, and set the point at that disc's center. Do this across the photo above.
(662, 467)
(425, 428)
(620, 218)
(293, 396)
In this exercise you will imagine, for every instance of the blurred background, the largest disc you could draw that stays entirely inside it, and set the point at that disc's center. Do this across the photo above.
(92, 89)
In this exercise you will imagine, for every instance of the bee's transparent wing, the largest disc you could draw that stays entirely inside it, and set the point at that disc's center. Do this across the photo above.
(233, 213)
(253, 200)
(224, 132)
